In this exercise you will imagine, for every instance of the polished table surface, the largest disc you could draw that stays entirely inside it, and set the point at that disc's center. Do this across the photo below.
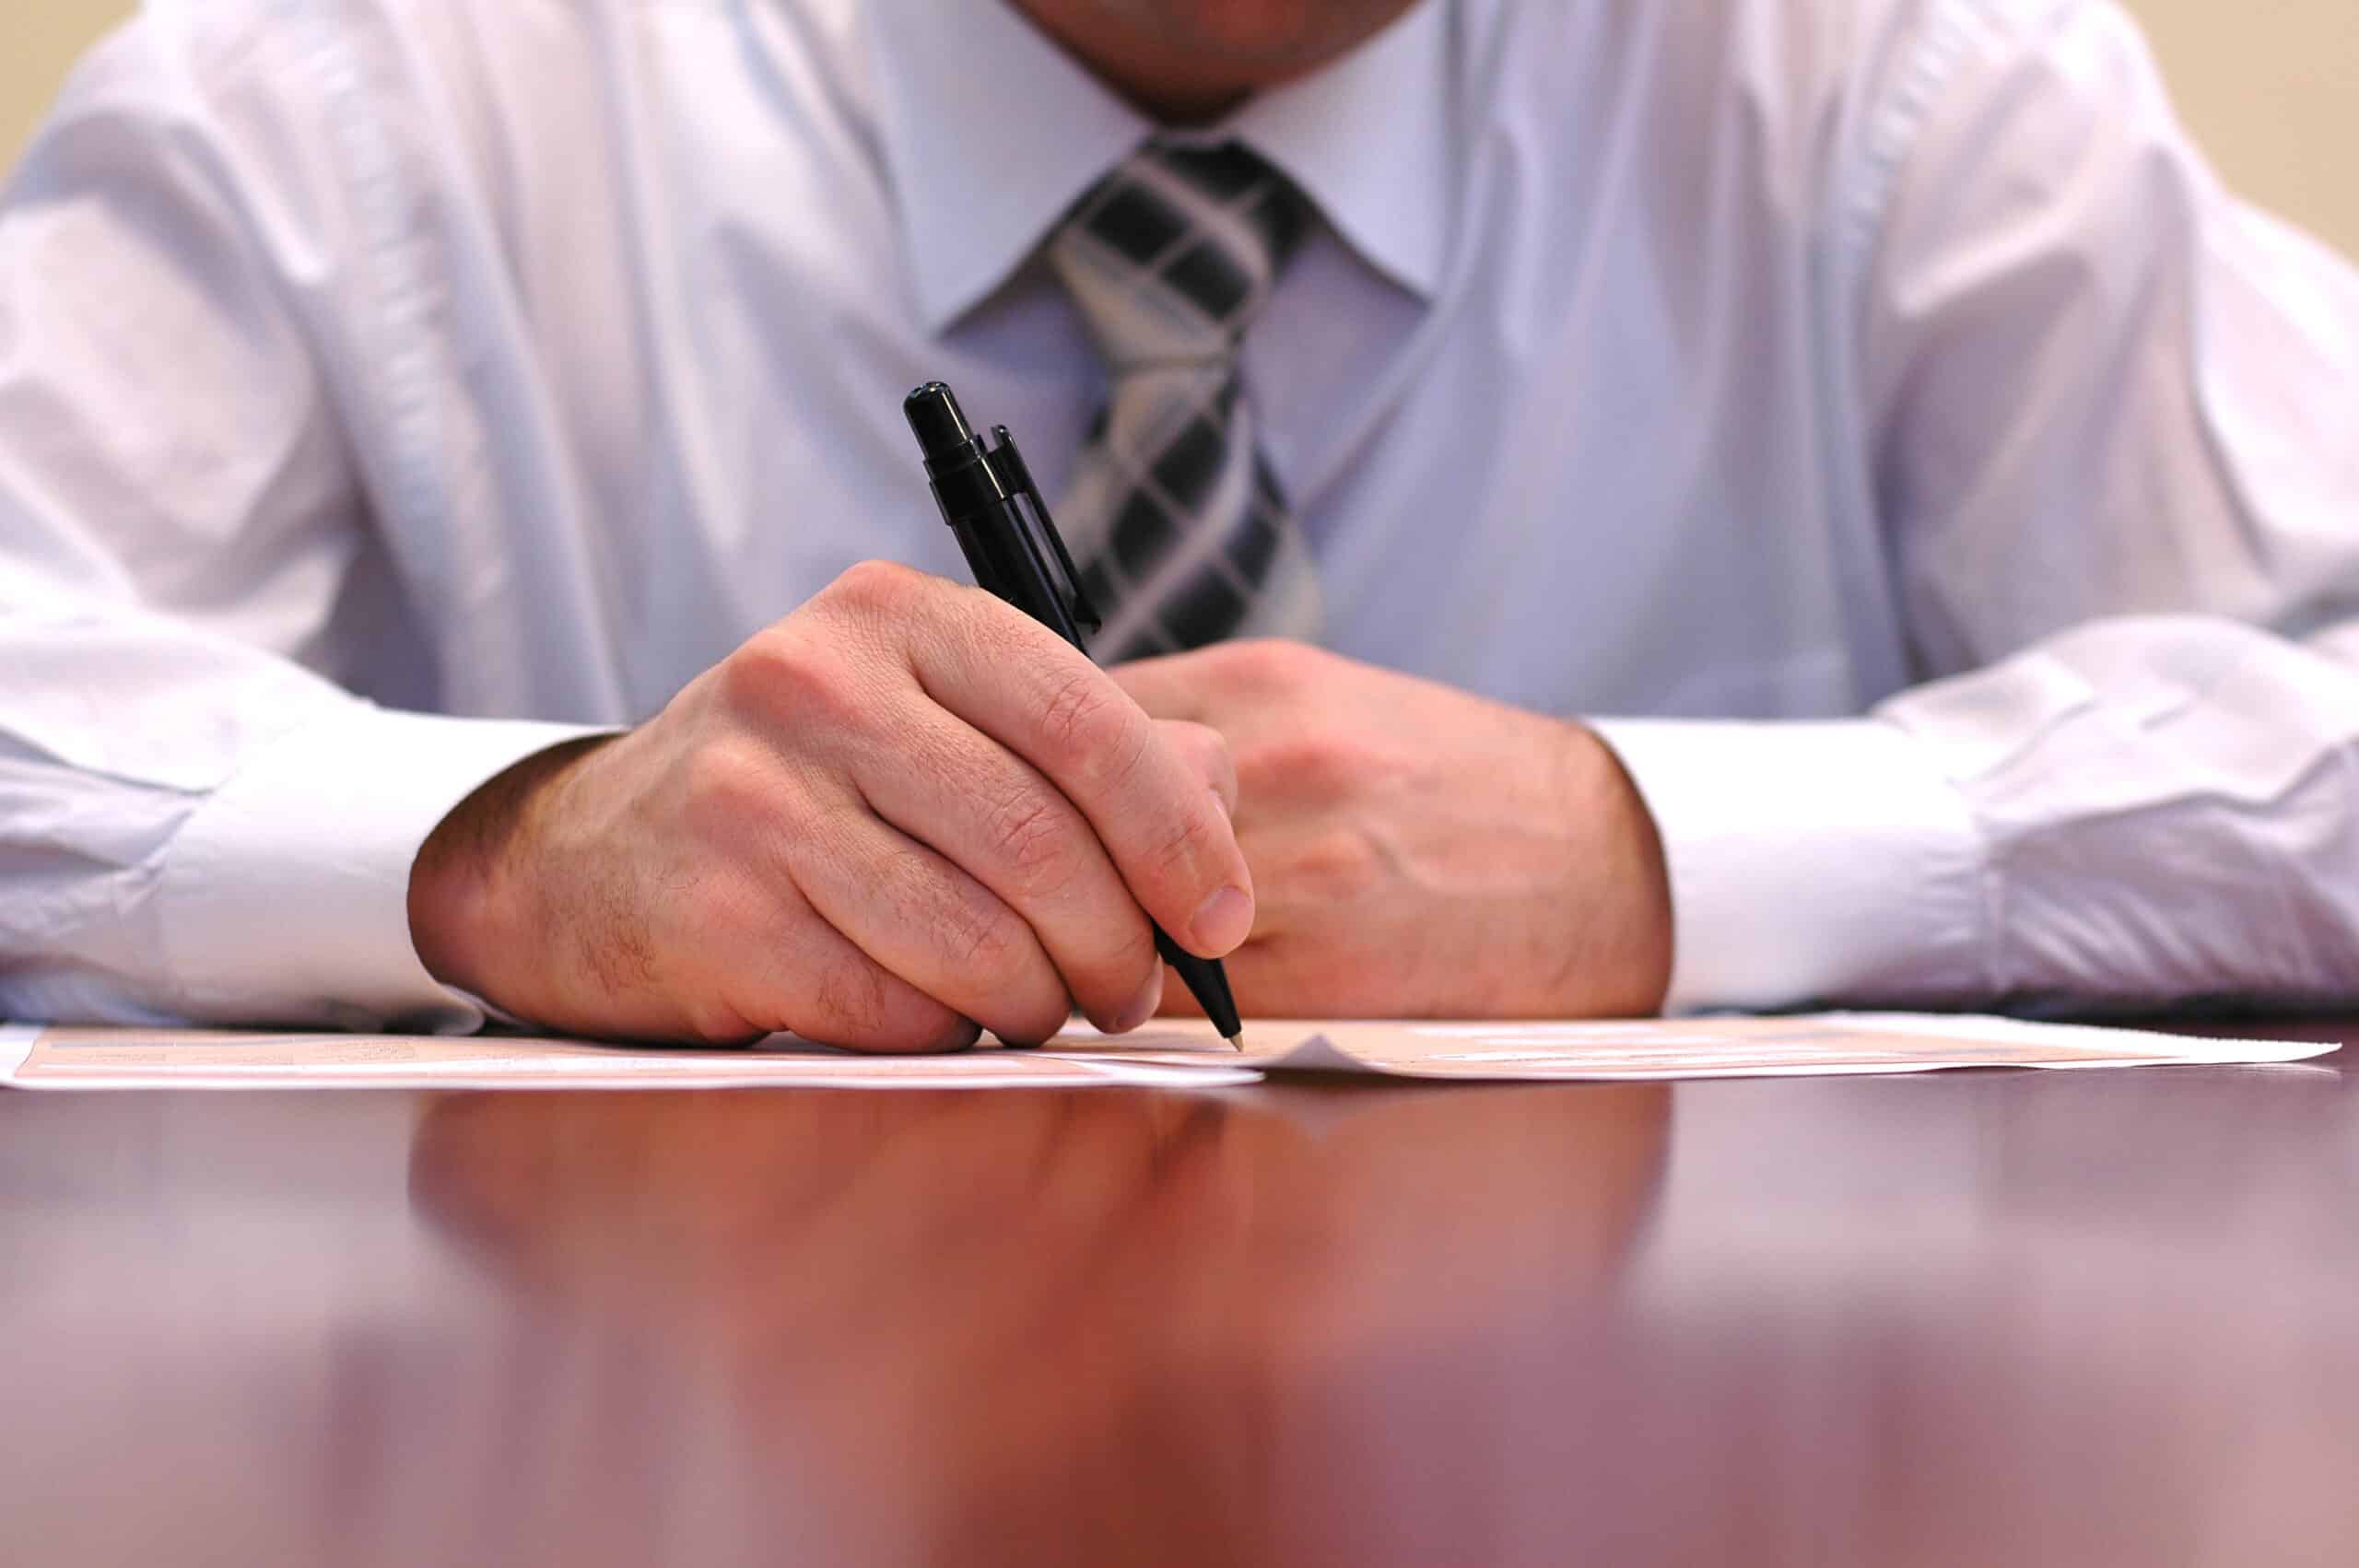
(1993, 1317)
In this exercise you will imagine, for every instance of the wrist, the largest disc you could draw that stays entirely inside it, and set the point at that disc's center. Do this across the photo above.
(1620, 963)
(473, 885)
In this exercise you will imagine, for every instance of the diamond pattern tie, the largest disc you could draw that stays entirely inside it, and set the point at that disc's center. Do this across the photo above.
(1182, 531)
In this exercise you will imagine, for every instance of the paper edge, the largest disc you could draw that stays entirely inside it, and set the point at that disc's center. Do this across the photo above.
(17, 1039)
(16, 1044)
(1318, 1053)
(2186, 1051)
(257, 1084)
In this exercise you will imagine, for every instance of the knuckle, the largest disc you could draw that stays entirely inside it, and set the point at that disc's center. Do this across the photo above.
(939, 1035)
(1105, 979)
(1269, 665)
(1083, 716)
(1179, 852)
(854, 999)
(1320, 764)
(1038, 1023)
(1206, 749)
(1135, 956)
(779, 678)
(744, 680)
(713, 1020)
(980, 936)
(858, 1005)
(874, 586)
(1217, 763)
(1338, 867)
(727, 788)
(1034, 833)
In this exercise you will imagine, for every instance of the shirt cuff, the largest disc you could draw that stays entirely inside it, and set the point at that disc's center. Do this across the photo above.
(284, 897)
(1811, 863)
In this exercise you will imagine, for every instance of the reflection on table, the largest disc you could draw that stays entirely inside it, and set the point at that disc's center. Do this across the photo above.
(1081, 1327)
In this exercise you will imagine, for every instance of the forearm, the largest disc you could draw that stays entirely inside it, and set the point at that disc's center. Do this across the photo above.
(2135, 813)
(2167, 809)
(474, 889)
(206, 832)
(2107, 419)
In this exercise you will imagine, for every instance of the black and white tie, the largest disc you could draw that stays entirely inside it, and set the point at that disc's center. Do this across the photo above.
(1183, 534)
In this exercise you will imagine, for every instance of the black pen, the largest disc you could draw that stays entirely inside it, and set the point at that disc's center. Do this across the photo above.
(988, 499)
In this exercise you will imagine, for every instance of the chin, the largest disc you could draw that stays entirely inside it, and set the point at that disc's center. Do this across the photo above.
(1270, 39)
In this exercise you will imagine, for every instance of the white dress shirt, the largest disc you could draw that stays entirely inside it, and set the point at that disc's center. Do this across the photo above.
(389, 386)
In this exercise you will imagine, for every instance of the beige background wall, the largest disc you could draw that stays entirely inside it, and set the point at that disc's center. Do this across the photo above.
(38, 39)
(2272, 86)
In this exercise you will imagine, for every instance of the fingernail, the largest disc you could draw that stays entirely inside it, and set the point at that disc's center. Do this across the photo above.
(1150, 998)
(1222, 922)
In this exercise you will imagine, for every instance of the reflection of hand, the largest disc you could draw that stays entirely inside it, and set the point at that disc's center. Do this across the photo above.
(904, 807)
(841, 1218)
(869, 1192)
(1122, 1299)
(1419, 852)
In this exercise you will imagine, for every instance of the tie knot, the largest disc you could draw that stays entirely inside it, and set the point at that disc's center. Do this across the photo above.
(1172, 255)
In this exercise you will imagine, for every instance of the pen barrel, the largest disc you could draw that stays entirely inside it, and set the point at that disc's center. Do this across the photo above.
(988, 498)
(1005, 565)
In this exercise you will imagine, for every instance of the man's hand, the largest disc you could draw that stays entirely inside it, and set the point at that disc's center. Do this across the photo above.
(1420, 852)
(902, 812)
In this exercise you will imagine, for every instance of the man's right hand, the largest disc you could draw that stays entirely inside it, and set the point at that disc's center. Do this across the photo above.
(905, 810)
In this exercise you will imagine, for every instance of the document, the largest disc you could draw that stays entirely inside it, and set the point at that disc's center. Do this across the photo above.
(1814, 1045)
(1175, 1053)
(36, 1058)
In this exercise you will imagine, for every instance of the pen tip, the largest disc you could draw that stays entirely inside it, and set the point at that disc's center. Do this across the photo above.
(1237, 1041)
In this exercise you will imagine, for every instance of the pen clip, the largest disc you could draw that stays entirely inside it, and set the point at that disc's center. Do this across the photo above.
(1016, 478)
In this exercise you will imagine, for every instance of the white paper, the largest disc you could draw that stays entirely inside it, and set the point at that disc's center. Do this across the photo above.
(34, 1057)
(1173, 1054)
(1850, 1044)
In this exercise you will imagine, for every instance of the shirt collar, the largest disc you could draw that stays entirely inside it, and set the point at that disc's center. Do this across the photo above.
(992, 132)
(1368, 138)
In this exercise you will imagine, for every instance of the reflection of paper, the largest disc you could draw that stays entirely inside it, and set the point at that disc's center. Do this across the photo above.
(1175, 1053)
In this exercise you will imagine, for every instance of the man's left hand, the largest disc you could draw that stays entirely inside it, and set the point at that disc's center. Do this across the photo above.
(1420, 852)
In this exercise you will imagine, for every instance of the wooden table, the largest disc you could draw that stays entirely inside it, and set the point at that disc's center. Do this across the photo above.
(1991, 1318)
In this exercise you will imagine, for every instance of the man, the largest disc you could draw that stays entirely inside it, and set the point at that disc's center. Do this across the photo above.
(1878, 397)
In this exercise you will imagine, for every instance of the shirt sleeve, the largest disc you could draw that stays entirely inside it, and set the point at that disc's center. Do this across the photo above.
(2114, 419)
(197, 822)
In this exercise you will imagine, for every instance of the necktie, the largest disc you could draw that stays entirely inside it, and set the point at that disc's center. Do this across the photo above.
(1180, 524)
